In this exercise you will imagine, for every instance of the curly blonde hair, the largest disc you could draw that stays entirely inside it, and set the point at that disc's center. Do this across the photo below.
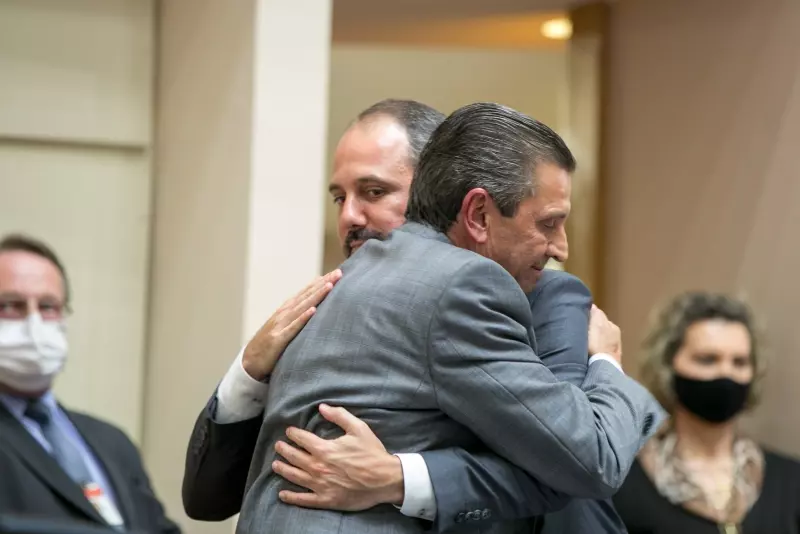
(668, 331)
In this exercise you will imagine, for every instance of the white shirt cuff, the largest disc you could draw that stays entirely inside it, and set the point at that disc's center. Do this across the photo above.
(239, 395)
(419, 500)
(601, 356)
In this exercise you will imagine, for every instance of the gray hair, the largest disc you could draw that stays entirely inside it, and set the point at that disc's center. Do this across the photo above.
(482, 145)
(418, 120)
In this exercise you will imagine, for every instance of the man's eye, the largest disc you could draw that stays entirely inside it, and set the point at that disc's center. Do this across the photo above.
(375, 193)
(338, 200)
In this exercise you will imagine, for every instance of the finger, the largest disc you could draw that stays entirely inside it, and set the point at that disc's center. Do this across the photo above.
(295, 326)
(313, 299)
(303, 293)
(312, 443)
(598, 314)
(312, 288)
(293, 474)
(333, 276)
(296, 457)
(344, 419)
(302, 303)
(305, 500)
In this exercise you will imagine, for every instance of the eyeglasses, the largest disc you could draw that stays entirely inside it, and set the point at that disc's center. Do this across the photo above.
(20, 308)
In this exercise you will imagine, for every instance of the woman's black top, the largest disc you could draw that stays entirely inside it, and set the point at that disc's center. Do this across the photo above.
(777, 510)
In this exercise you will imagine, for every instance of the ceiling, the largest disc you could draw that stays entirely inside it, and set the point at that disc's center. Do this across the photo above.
(452, 23)
(353, 11)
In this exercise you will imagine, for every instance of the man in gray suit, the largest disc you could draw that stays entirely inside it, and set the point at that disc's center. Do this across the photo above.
(423, 333)
(373, 168)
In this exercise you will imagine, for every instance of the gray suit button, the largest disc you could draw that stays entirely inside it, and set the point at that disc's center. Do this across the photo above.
(460, 518)
(468, 516)
(486, 514)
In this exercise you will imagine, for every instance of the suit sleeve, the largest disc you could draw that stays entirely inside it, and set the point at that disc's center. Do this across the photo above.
(465, 482)
(579, 441)
(217, 463)
(560, 308)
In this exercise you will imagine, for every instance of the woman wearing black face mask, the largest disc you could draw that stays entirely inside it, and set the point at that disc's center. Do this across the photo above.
(699, 475)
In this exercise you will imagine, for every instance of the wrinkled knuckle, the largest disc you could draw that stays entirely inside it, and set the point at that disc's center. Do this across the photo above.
(317, 468)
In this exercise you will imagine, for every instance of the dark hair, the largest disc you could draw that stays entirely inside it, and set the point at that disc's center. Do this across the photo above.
(418, 119)
(23, 243)
(487, 146)
(667, 334)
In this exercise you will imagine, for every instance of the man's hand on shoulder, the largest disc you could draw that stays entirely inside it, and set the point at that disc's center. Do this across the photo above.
(604, 336)
(263, 351)
(350, 473)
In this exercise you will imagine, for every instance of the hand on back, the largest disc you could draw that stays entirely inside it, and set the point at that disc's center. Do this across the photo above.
(265, 348)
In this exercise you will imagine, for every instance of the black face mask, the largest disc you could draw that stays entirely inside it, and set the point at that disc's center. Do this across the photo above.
(716, 401)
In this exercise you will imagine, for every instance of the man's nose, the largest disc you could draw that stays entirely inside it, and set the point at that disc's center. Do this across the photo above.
(351, 215)
(559, 247)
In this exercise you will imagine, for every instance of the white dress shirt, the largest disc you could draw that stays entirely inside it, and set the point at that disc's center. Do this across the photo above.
(241, 397)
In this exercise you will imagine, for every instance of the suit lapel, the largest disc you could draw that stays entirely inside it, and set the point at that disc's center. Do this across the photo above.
(42, 464)
(116, 477)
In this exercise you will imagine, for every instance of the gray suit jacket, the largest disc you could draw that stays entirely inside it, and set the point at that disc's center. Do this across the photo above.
(468, 483)
(431, 345)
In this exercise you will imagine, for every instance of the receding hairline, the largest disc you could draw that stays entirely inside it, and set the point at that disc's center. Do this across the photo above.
(373, 120)
(17, 242)
(370, 124)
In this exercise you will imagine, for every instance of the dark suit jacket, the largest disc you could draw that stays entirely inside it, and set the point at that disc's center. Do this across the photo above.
(33, 484)
(218, 459)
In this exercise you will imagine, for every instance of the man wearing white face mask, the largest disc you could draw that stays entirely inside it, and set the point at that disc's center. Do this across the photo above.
(55, 463)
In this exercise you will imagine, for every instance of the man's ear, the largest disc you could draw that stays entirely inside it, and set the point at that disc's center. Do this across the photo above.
(474, 211)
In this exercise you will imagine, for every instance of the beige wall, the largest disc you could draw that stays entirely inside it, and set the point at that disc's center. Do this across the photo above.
(241, 122)
(75, 144)
(533, 81)
(703, 186)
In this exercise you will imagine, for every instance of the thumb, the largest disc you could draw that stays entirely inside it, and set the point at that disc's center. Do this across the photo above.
(342, 418)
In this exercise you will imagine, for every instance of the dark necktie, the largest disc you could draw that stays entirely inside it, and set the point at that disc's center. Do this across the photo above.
(63, 450)
(69, 458)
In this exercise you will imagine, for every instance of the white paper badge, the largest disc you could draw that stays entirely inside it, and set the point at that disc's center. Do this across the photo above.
(101, 502)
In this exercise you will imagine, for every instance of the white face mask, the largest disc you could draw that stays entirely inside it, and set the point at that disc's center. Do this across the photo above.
(32, 352)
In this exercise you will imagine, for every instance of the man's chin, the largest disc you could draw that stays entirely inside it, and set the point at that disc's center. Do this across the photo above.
(530, 280)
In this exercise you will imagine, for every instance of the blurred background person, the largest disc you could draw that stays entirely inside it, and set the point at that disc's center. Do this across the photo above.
(703, 361)
(56, 463)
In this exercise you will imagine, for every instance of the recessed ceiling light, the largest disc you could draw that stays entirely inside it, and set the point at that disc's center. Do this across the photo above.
(559, 28)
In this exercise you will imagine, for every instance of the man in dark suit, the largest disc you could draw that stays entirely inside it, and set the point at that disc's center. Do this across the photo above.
(454, 483)
(55, 463)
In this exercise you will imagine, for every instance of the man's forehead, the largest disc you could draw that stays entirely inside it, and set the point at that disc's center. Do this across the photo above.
(372, 153)
(552, 190)
(27, 273)
(372, 142)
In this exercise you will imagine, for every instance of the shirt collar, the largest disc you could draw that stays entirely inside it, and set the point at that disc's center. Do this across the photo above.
(17, 405)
